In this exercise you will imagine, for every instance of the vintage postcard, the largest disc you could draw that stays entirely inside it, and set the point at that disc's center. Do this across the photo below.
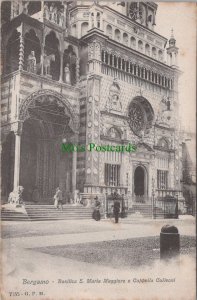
(98, 178)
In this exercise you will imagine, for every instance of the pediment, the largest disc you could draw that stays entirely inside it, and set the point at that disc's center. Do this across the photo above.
(143, 147)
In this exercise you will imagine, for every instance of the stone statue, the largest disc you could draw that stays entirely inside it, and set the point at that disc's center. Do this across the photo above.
(67, 74)
(46, 11)
(51, 12)
(47, 59)
(15, 197)
(61, 17)
(31, 62)
(113, 101)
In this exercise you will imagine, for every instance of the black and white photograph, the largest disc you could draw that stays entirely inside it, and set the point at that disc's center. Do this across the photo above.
(98, 150)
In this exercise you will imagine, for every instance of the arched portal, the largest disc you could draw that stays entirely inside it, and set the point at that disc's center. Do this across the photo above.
(47, 120)
(139, 181)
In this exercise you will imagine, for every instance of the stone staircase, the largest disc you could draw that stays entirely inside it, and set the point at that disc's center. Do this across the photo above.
(48, 212)
(9, 214)
(145, 211)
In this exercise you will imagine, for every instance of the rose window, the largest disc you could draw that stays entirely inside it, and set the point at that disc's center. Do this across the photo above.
(140, 116)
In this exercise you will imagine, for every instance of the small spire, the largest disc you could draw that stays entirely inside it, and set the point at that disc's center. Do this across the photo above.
(172, 40)
(172, 33)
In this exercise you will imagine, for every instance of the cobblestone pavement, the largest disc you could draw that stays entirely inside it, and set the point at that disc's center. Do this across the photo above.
(23, 264)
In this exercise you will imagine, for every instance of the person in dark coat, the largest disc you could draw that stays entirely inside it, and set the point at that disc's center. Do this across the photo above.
(116, 210)
(96, 213)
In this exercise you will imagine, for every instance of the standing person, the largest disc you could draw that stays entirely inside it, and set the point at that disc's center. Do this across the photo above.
(58, 199)
(96, 213)
(116, 210)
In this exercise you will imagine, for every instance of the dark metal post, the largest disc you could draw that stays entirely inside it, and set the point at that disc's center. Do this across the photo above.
(169, 242)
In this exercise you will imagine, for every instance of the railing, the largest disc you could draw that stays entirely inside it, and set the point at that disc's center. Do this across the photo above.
(128, 77)
(166, 202)
(161, 193)
(103, 189)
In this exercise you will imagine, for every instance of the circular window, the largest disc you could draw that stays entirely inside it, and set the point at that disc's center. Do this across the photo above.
(140, 116)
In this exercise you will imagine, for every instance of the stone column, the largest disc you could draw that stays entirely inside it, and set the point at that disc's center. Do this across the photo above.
(74, 170)
(42, 55)
(77, 70)
(17, 159)
(61, 79)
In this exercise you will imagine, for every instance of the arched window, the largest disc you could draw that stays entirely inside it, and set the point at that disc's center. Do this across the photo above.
(149, 75)
(154, 52)
(131, 67)
(135, 70)
(119, 63)
(133, 42)
(147, 49)
(117, 35)
(106, 58)
(140, 46)
(109, 31)
(102, 55)
(125, 39)
(139, 71)
(12, 52)
(123, 64)
(32, 43)
(159, 79)
(98, 20)
(115, 61)
(74, 30)
(110, 60)
(69, 61)
(84, 28)
(160, 55)
(51, 50)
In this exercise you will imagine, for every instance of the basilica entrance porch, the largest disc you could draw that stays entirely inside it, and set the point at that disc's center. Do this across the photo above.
(32, 155)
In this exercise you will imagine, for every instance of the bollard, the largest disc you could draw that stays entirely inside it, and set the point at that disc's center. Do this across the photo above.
(169, 242)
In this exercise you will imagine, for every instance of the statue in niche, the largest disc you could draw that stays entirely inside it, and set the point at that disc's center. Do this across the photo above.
(67, 74)
(31, 62)
(47, 59)
(51, 12)
(113, 103)
(113, 133)
(55, 14)
(61, 17)
(46, 11)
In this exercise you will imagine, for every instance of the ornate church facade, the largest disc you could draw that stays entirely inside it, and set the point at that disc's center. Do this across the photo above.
(85, 73)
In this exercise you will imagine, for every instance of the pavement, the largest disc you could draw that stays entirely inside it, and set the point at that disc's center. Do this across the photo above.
(24, 265)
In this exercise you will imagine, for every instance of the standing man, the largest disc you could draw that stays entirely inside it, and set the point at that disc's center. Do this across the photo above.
(116, 210)
(58, 198)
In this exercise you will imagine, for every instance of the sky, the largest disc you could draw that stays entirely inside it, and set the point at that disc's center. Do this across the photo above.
(181, 16)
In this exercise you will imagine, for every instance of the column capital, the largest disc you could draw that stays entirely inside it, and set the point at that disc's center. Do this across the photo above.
(17, 127)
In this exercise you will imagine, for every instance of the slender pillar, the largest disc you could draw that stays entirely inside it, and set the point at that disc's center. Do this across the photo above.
(61, 79)
(74, 170)
(21, 53)
(17, 159)
(77, 69)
